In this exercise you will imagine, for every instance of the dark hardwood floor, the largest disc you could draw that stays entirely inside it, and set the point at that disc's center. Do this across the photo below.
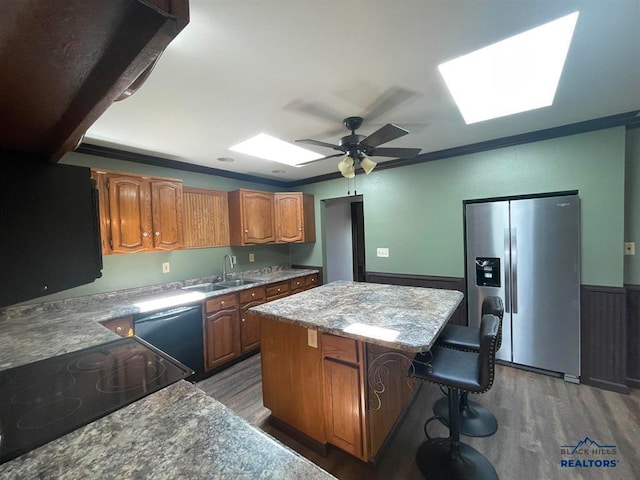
(537, 414)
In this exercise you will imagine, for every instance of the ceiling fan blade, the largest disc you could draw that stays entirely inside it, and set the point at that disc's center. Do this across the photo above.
(303, 164)
(319, 143)
(315, 109)
(383, 135)
(391, 98)
(395, 152)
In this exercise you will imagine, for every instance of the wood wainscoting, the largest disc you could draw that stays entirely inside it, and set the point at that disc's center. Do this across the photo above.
(633, 335)
(603, 337)
(459, 317)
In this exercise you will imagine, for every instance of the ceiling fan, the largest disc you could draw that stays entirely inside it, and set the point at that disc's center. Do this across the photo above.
(356, 149)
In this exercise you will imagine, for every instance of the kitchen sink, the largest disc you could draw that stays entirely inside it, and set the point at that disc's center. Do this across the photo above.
(236, 283)
(206, 287)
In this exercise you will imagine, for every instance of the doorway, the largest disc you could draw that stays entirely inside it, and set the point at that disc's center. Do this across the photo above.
(343, 235)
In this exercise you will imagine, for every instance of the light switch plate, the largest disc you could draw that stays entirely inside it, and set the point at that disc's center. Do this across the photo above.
(629, 248)
(165, 267)
(312, 338)
(252, 258)
(383, 252)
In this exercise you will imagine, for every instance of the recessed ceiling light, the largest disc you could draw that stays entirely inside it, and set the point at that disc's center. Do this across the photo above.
(514, 75)
(277, 171)
(225, 159)
(270, 148)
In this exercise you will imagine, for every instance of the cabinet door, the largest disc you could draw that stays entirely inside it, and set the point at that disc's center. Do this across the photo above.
(130, 214)
(166, 198)
(289, 217)
(257, 217)
(342, 406)
(206, 218)
(103, 205)
(221, 330)
(249, 328)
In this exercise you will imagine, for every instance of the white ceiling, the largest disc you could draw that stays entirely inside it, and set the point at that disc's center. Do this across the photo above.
(244, 67)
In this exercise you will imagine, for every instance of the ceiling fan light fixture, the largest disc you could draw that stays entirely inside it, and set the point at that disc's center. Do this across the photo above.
(346, 167)
(367, 164)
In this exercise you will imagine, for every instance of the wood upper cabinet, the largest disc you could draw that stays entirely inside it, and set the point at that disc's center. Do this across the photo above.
(206, 218)
(251, 217)
(139, 214)
(294, 217)
(70, 60)
(222, 339)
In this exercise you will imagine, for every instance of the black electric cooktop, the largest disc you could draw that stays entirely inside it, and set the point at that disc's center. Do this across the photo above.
(42, 401)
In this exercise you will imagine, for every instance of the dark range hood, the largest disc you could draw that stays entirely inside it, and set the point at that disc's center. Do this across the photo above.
(49, 229)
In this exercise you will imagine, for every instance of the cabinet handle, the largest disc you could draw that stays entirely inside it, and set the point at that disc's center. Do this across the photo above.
(253, 294)
(222, 302)
(246, 231)
(278, 289)
(118, 329)
(243, 319)
(144, 234)
(157, 234)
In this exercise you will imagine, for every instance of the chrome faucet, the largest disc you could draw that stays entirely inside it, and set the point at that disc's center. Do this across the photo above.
(224, 266)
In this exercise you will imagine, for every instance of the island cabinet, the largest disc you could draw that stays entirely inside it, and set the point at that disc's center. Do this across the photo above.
(222, 339)
(120, 326)
(139, 213)
(251, 217)
(249, 322)
(295, 219)
(206, 218)
(324, 386)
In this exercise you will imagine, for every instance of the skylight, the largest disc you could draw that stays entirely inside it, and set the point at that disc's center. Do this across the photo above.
(514, 75)
(270, 148)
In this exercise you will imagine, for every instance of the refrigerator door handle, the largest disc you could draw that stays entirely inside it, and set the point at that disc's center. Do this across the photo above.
(514, 271)
(507, 270)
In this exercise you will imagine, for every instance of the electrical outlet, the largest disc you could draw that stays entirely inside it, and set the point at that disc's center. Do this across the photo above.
(629, 248)
(252, 258)
(383, 252)
(234, 259)
(165, 267)
(312, 338)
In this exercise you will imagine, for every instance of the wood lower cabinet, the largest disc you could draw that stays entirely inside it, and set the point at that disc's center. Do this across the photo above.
(277, 290)
(343, 413)
(294, 217)
(222, 340)
(251, 217)
(139, 214)
(206, 218)
(120, 326)
(249, 322)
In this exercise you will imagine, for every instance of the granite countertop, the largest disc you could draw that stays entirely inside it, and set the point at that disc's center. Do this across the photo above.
(178, 432)
(39, 331)
(403, 318)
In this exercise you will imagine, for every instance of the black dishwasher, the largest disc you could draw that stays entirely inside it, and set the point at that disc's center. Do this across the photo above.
(177, 332)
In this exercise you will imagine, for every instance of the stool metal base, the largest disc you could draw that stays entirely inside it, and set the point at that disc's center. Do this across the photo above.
(436, 462)
(475, 420)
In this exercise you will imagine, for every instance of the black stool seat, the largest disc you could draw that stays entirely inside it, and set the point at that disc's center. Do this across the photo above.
(459, 337)
(461, 372)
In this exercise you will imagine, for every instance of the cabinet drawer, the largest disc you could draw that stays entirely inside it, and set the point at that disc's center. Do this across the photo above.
(311, 280)
(340, 348)
(251, 295)
(277, 289)
(220, 303)
(297, 283)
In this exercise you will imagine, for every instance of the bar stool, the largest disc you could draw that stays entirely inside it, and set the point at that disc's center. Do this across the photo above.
(475, 419)
(460, 372)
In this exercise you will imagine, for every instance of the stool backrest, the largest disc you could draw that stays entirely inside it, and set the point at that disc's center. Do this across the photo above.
(494, 306)
(488, 347)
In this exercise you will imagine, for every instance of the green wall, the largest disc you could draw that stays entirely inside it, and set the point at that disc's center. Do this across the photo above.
(416, 211)
(140, 269)
(632, 206)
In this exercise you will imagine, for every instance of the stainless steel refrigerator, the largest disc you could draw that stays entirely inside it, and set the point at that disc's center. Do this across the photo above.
(527, 251)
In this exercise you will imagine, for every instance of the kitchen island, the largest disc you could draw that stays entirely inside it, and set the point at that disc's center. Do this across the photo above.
(177, 432)
(335, 359)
